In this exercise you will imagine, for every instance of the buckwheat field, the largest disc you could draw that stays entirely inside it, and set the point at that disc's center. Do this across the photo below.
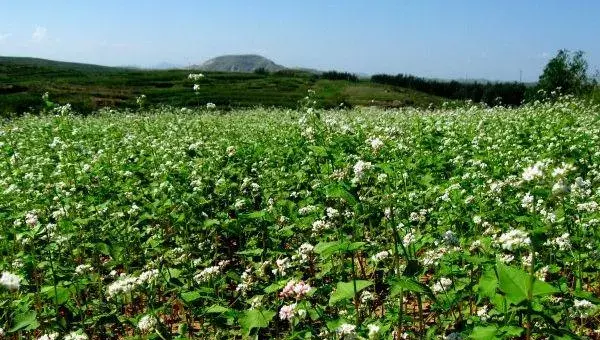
(363, 223)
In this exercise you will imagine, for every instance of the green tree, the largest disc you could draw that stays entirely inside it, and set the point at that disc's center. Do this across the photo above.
(567, 72)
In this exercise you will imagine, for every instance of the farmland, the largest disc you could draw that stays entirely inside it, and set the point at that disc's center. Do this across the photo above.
(91, 87)
(367, 223)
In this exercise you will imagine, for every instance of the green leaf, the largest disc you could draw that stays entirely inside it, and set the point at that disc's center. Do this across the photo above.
(349, 247)
(426, 180)
(409, 285)
(62, 294)
(103, 248)
(488, 282)
(345, 290)
(216, 309)
(514, 282)
(318, 150)
(274, 287)
(189, 297)
(25, 321)
(543, 288)
(511, 331)
(413, 267)
(255, 318)
(484, 333)
(251, 252)
(255, 215)
(338, 191)
(174, 272)
(326, 249)
(211, 223)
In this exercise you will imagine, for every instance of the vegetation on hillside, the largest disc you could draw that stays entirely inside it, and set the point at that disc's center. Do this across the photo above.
(88, 88)
(490, 93)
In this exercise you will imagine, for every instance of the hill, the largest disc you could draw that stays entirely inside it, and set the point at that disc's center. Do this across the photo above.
(239, 63)
(90, 87)
(17, 65)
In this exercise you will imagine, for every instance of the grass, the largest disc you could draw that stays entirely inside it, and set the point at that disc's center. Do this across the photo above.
(90, 87)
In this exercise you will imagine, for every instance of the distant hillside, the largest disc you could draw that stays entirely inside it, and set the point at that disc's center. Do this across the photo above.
(10, 63)
(90, 87)
(238, 63)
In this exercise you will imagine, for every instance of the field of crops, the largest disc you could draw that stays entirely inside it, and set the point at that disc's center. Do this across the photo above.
(292, 224)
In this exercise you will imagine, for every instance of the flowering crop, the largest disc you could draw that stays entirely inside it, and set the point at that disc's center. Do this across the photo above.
(363, 223)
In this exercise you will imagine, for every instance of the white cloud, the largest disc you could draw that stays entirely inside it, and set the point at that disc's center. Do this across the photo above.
(39, 34)
(5, 36)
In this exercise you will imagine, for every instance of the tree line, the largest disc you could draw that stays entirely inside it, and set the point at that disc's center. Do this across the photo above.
(489, 93)
(566, 73)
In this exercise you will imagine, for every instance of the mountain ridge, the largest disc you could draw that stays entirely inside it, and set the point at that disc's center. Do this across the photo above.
(238, 63)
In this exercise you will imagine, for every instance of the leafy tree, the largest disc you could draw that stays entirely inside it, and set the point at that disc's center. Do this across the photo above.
(566, 71)
(261, 71)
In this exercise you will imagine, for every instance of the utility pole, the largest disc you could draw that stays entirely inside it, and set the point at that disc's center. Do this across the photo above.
(520, 76)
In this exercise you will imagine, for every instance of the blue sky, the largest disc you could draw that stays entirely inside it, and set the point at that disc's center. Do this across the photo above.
(443, 39)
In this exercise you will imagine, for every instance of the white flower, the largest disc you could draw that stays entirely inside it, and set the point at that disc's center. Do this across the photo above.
(409, 238)
(148, 276)
(583, 308)
(527, 201)
(79, 335)
(376, 143)
(147, 323)
(588, 206)
(442, 285)
(83, 268)
(332, 213)
(207, 274)
(246, 283)
(305, 251)
(320, 225)
(433, 256)
(563, 170)
(373, 331)
(51, 336)
(346, 329)
(453, 336)
(195, 76)
(533, 171)
(307, 210)
(475, 245)
(239, 204)
(287, 312)
(360, 168)
(367, 296)
(281, 266)
(382, 255)
(295, 289)
(562, 242)
(123, 285)
(196, 87)
(506, 258)
(230, 151)
(31, 219)
(140, 99)
(513, 239)
(482, 313)
(10, 281)
(211, 106)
